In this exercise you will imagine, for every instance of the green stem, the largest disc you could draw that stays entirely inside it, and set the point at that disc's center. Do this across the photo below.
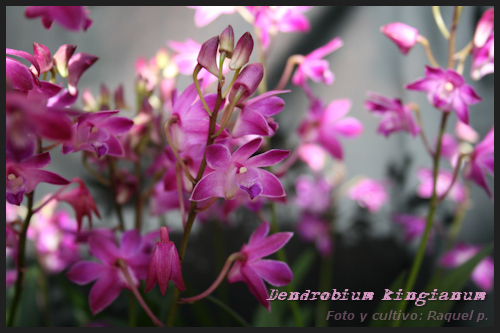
(230, 311)
(325, 281)
(410, 283)
(21, 264)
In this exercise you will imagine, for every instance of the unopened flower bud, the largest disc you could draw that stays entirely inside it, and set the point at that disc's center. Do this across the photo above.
(227, 41)
(119, 99)
(242, 52)
(207, 58)
(484, 27)
(42, 55)
(247, 82)
(103, 99)
(403, 35)
(61, 58)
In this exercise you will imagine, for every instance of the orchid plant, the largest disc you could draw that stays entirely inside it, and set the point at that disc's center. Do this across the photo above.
(206, 152)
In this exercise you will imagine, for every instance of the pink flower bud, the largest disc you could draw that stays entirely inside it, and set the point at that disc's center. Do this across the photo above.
(484, 28)
(403, 35)
(61, 58)
(247, 82)
(227, 41)
(242, 51)
(42, 55)
(207, 58)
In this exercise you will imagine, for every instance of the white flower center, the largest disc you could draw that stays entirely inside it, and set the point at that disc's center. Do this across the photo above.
(12, 176)
(243, 170)
(448, 86)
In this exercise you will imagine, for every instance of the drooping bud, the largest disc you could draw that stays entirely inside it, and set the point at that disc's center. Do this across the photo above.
(42, 55)
(227, 41)
(61, 58)
(242, 52)
(484, 28)
(246, 83)
(207, 58)
(403, 35)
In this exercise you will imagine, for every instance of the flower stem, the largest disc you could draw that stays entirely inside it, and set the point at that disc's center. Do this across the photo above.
(417, 262)
(166, 130)
(290, 63)
(233, 257)
(233, 314)
(451, 51)
(137, 295)
(416, 109)
(197, 85)
(439, 21)
(21, 265)
(422, 40)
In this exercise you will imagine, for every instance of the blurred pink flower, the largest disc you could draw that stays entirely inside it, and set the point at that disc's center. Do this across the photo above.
(482, 161)
(402, 34)
(315, 229)
(482, 275)
(444, 179)
(483, 60)
(313, 194)
(73, 18)
(206, 14)
(369, 193)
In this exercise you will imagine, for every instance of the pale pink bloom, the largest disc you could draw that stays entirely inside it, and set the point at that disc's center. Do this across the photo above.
(482, 161)
(369, 193)
(484, 272)
(483, 60)
(315, 229)
(444, 179)
(313, 155)
(413, 225)
(313, 194)
(206, 14)
(314, 67)
(465, 132)
(402, 34)
(324, 125)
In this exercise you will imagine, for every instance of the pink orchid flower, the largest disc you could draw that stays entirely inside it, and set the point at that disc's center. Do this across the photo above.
(402, 34)
(313, 195)
(18, 75)
(369, 193)
(206, 14)
(255, 117)
(23, 176)
(444, 179)
(483, 59)
(164, 265)
(482, 275)
(110, 279)
(413, 225)
(447, 91)
(73, 18)
(253, 270)
(239, 171)
(96, 132)
(482, 161)
(314, 67)
(325, 125)
(315, 229)
(395, 116)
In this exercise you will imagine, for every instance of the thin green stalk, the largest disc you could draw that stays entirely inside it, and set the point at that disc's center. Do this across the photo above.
(21, 264)
(410, 283)
(230, 311)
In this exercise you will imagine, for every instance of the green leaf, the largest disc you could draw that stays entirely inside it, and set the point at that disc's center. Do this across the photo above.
(387, 306)
(301, 266)
(455, 280)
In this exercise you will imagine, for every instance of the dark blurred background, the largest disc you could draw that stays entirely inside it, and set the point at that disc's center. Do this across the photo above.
(369, 252)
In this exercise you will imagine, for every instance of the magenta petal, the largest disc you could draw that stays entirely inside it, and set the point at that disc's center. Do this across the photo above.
(256, 286)
(84, 272)
(105, 290)
(77, 65)
(24, 55)
(267, 246)
(35, 176)
(104, 249)
(469, 95)
(259, 233)
(253, 191)
(323, 51)
(461, 109)
(212, 185)
(115, 148)
(247, 150)
(268, 158)
(335, 110)
(176, 272)
(328, 140)
(271, 185)
(184, 101)
(130, 242)
(37, 161)
(250, 122)
(274, 272)
(163, 264)
(43, 57)
(218, 156)
(117, 125)
(349, 127)
(421, 85)
(18, 75)
(267, 104)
